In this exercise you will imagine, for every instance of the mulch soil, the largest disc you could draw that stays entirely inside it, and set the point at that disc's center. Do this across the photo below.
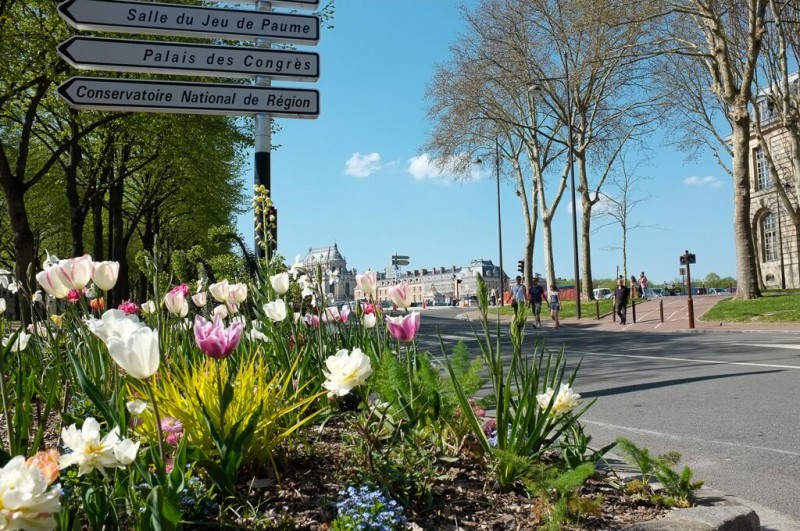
(305, 497)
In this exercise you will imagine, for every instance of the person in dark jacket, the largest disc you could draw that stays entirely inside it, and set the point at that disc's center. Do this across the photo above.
(621, 296)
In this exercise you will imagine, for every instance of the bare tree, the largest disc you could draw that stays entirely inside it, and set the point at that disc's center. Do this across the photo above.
(720, 42)
(617, 205)
(484, 92)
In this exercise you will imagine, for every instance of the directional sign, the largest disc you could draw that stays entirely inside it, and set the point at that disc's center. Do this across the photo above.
(196, 98)
(399, 257)
(294, 4)
(400, 262)
(93, 53)
(192, 21)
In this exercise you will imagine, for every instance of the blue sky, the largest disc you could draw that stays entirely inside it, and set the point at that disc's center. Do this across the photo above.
(356, 176)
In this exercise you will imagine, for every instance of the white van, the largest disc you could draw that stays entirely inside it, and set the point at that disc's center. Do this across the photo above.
(602, 293)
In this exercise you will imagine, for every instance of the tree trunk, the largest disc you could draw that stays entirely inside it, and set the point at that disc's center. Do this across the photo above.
(77, 213)
(587, 287)
(24, 247)
(549, 264)
(116, 247)
(747, 281)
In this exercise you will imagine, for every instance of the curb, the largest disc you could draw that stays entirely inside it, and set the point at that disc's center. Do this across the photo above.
(715, 511)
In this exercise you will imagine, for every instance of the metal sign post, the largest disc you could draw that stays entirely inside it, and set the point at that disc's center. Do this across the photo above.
(686, 259)
(260, 63)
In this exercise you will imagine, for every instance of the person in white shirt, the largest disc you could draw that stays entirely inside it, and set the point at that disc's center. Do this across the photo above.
(518, 295)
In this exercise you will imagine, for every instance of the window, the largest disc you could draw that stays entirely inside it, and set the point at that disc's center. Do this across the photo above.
(762, 171)
(769, 235)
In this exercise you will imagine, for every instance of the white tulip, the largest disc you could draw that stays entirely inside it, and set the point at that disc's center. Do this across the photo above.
(280, 283)
(137, 354)
(29, 501)
(104, 274)
(369, 320)
(345, 371)
(276, 310)
(19, 344)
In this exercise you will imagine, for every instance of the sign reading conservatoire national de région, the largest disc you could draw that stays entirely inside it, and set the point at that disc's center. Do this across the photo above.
(191, 21)
(193, 98)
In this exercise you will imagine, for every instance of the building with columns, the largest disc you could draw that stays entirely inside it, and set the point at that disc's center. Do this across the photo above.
(775, 235)
(440, 285)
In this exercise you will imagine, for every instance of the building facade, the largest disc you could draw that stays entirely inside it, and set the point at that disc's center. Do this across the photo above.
(440, 285)
(329, 258)
(774, 234)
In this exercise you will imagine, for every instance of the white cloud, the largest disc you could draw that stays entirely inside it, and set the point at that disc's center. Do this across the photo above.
(359, 165)
(708, 180)
(424, 167)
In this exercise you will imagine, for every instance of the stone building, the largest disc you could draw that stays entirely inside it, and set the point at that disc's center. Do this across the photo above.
(440, 285)
(774, 233)
(330, 259)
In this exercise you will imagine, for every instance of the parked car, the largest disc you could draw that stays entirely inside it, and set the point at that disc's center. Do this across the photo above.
(719, 291)
(650, 293)
(602, 293)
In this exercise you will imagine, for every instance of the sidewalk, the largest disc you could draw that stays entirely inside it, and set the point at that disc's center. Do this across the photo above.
(649, 318)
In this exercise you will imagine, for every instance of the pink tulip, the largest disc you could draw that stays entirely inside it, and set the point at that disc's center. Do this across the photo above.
(368, 282)
(51, 282)
(75, 273)
(400, 295)
(180, 288)
(403, 328)
(73, 296)
(214, 339)
(311, 320)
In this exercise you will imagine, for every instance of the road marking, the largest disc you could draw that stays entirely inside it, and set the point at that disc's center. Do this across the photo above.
(767, 345)
(713, 362)
(670, 436)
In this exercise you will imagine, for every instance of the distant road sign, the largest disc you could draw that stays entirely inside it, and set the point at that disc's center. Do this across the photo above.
(97, 53)
(400, 262)
(399, 257)
(197, 98)
(192, 21)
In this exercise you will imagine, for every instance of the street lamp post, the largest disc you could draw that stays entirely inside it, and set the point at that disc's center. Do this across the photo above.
(499, 219)
(780, 236)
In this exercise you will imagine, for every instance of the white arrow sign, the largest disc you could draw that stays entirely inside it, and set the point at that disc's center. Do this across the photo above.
(96, 53)
(103, 94)
(191, 21)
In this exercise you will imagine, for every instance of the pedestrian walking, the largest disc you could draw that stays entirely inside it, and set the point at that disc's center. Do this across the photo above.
(536, 295)
(493, 297)
(634, 287)
(642, 286)
(517, 295)
(621, 296)
(555, 304)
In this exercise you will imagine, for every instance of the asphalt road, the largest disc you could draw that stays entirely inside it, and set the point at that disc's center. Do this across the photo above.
(725, 401)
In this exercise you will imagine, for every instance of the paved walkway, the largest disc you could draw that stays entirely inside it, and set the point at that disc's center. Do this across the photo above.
(649, 318)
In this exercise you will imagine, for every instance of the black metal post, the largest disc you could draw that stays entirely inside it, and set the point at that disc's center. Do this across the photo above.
(690, 301)
(780, 236)
(499, 219)
(262, 165)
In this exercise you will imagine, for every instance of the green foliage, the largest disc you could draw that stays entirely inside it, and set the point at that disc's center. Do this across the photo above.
(557, 494)
(781, 308)
(382, 451)
(677, 488)
(525, 428)
(575, 450)
(260, 396)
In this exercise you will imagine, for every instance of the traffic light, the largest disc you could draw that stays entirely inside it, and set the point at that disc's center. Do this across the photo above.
(521, 266)
(688, 258)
